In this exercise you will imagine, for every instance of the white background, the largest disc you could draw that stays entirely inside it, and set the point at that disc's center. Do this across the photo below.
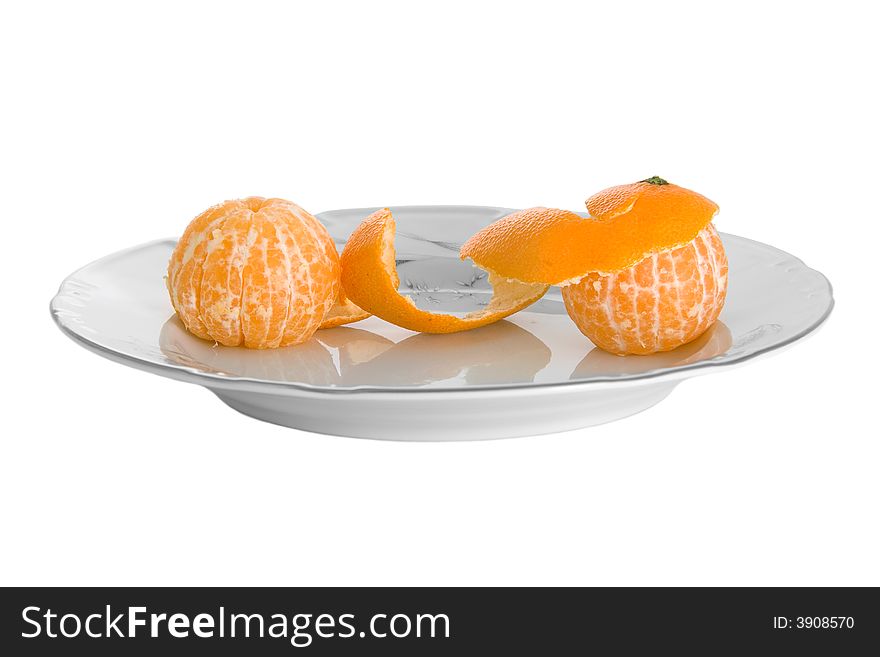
(119, 124)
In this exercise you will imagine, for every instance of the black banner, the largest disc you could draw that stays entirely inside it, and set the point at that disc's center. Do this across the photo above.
(447, 621)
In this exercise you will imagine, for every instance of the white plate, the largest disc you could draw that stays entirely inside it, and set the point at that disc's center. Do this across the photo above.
(531, 374)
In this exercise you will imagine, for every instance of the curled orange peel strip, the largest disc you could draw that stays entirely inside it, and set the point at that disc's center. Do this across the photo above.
(370, 280)
(556, 247)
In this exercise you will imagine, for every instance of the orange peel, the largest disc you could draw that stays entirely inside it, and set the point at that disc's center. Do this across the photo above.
(370, 280)
(558, 247)
(343, 312)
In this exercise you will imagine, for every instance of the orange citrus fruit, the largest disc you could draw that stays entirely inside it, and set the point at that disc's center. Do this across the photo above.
(645, 272)
(370, 280)
(256, 272)
(660, 303)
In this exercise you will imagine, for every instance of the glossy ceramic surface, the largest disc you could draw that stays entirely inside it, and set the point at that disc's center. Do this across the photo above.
(533, 373)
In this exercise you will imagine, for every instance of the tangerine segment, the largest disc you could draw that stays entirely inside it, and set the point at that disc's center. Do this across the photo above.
(369, 277)
(558, 247)
(664, 301)
(223, 278)
(254, 272)
(343, 312)
(185, 269)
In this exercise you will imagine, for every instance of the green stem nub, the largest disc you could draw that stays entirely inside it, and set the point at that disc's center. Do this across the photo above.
(655, 180)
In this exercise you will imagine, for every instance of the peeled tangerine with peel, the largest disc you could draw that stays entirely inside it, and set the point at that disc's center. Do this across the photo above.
(646, 272)
(256, 272)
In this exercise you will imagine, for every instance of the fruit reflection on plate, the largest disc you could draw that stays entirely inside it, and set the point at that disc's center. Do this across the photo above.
(350, 357)
(713, 343)
(309, 362)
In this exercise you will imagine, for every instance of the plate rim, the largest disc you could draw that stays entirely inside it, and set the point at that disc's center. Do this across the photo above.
(242, 383)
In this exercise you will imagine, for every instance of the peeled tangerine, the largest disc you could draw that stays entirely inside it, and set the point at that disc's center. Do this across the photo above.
(256, 272)
(646, 272)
